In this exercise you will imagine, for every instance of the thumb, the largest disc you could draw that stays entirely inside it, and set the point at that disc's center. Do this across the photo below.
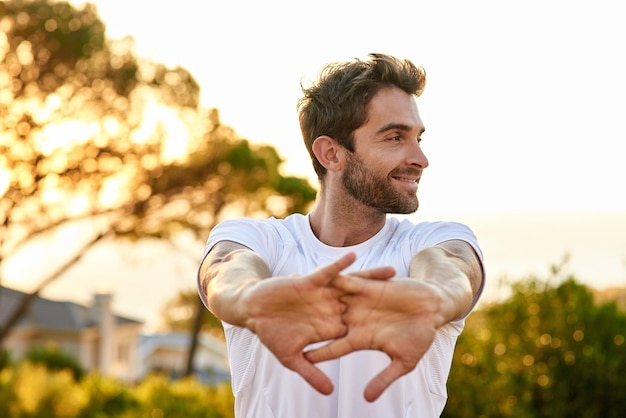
(324, 275)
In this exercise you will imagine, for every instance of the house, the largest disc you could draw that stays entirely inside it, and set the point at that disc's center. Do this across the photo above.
(168, 352)
(94, 335)
(108, 343)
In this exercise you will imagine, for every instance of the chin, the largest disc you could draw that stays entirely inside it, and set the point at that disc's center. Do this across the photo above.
(405, 210)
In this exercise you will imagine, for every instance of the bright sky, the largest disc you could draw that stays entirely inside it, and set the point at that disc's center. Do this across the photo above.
(524, 106)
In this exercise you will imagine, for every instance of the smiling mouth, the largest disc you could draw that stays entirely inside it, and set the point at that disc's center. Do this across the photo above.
(410, 178)
(409, 184)
(407, 175)
(407, 180)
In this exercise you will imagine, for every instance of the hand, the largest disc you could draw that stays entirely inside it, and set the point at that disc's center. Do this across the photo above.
(398, 317)
(289, 313)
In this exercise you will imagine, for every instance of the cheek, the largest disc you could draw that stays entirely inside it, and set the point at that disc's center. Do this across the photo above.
(383, 163)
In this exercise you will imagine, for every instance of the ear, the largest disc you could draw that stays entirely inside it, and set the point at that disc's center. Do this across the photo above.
(328, 152)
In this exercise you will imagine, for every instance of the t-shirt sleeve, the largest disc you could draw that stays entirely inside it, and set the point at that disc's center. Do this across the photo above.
(255, 234)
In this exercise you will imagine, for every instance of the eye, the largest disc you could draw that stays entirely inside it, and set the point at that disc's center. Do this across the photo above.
(419, 140)
(395, 138)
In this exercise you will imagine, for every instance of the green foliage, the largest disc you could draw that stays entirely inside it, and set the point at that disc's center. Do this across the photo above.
(156, 393)
(33, 391)
(58, 37)
(106, 397)
(91, 133)
(30, 390)
(5, 358)
(54, 359)
(87, 130)
(547, 351)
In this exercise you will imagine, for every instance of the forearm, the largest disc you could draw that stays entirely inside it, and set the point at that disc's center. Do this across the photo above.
(225, 275)
(454, 272)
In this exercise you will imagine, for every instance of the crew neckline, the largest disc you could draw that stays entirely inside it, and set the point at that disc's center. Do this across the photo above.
(331, 251)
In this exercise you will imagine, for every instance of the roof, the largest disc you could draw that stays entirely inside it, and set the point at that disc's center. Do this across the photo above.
(50, 314)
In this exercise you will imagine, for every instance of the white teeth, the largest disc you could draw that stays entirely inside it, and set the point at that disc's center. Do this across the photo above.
(406, 180)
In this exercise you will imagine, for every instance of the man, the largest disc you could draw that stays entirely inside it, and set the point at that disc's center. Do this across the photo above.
(346, 311)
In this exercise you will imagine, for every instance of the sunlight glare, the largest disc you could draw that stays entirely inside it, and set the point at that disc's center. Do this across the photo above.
(78, 205)
(53, 101)
(49, 196)
(111, 126)
(56, 135)
(24, 53)
(176, 133)
(114, 189)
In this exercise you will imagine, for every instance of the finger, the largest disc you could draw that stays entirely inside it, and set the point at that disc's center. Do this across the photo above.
(325, 274)
(314, 376)
(378, 273)
(355, 282)
(334, 349)
(384, 379)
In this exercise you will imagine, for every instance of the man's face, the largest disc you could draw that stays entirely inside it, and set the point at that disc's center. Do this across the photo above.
(387, 164)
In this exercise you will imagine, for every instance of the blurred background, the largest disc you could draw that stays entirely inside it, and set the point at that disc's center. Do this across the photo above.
(129, 128)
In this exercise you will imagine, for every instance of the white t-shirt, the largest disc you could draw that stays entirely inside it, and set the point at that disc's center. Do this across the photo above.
(263, 388)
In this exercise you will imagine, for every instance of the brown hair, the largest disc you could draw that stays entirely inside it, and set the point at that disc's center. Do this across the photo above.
(336, 103)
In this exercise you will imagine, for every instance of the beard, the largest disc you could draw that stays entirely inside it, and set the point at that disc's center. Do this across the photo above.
(376, 191)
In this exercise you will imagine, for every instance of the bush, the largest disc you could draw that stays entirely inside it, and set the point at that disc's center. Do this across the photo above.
(547, 351)
(107, 397)
(5, 358)
(54, 359)
(185, 397)
(31, 390)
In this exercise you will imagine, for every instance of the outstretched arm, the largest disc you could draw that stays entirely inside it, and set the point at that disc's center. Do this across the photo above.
(452, 267)
(286, 313)
(401, 317)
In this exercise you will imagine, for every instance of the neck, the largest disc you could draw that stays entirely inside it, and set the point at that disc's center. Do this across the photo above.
(341, 221)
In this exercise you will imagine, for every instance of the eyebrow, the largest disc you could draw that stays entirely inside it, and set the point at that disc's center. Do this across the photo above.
(398, 126)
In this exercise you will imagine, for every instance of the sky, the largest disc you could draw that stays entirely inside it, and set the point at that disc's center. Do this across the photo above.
(524, 106)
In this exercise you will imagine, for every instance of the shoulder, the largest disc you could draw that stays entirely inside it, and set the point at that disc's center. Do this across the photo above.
(270, 238)
(257, 233)
(431, 233)
(426, 234)
(265, 223)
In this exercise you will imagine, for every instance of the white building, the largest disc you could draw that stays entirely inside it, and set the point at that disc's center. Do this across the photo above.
(94, 335)
(103, 341)
(167, 353)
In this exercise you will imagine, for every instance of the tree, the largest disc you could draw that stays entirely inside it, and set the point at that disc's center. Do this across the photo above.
(92, 134)
(179, 314)
(548, 350)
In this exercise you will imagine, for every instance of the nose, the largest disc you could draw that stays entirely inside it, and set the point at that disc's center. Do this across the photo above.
(416, 156)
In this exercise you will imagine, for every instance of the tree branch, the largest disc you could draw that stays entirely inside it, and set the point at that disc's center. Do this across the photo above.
(25, 302)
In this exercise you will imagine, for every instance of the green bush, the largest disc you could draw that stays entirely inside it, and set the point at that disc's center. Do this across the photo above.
(547, 351)
(54, 359)
(29, 390)
(5, 358)
(107, 397)
(185, 397)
